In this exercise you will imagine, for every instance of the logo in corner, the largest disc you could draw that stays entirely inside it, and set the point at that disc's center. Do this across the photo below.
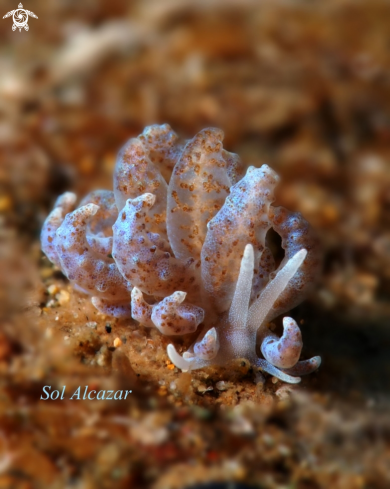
(20, 18)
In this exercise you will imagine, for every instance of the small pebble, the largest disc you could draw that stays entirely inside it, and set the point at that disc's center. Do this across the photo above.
(108, 328)
(284, 450)
(268, 440)
(63, 297)
(48, 333)
(222, 385)
(53, 289)
(103, 356)
(284, 392)
(259, 386)
(5, 203)
(92, 324)
(259, 378)
(117, 342)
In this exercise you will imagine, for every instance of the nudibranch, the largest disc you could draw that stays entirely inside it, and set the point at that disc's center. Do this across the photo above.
(180, 244)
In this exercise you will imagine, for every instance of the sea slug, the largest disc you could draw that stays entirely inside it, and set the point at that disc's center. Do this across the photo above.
(180, 244)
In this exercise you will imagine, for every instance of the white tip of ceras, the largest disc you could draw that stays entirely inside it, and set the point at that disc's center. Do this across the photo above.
(136, 293)
(178, 296)
(89, 209)
(149, 199)
(141, 311)
(266, 170)
(68, 199)
(292, 332)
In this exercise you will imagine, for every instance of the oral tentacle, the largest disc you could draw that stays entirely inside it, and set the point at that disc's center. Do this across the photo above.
(238, 312)
(262, 306)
